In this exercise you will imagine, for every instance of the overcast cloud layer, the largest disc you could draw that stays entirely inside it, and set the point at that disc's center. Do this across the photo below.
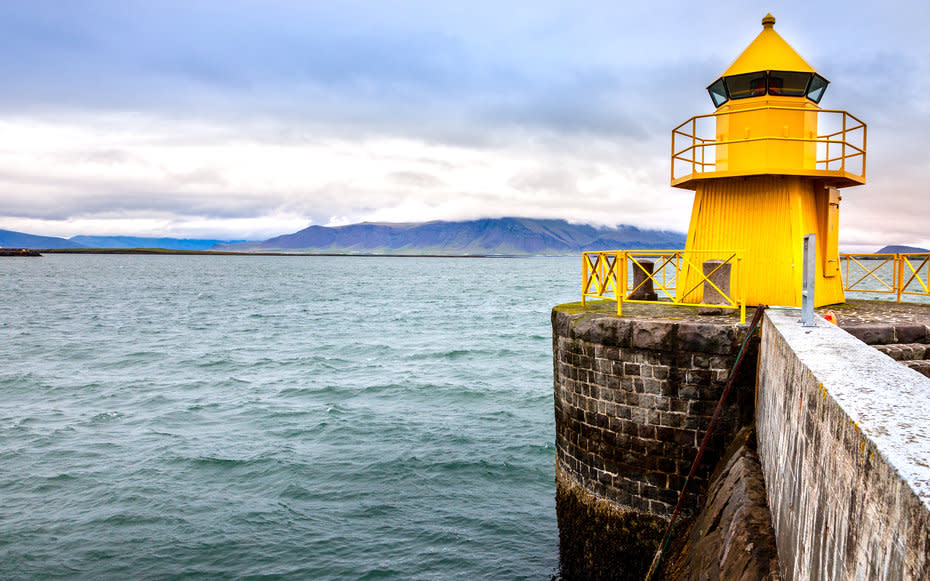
(235, 119)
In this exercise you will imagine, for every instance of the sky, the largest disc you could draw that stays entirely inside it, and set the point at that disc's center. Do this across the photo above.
(239, 119)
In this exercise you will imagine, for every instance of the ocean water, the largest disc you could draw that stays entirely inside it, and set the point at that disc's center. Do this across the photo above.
(278, 417)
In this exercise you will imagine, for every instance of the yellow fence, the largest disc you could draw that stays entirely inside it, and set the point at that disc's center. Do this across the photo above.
(840, 150)
(898, 275)
(668, 277)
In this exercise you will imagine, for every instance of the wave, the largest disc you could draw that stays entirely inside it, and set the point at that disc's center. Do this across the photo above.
(276, 417)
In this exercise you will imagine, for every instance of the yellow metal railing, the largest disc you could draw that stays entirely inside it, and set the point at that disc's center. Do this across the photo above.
(900, 275)
(849, 138)
(676, 278)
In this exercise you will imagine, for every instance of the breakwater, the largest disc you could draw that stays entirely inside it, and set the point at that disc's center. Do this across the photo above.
(848, 487)
(843, 439)
(633, 398)
(19, 252)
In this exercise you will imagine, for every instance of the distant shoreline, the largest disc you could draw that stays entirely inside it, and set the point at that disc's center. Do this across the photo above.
(19, 252)
(155, 251)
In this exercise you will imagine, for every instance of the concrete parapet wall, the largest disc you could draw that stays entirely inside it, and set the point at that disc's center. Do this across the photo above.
(633, 398)
(844, 440)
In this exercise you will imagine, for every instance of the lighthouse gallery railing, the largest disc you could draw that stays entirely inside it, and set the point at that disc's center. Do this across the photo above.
(676, 276)
(840, 150)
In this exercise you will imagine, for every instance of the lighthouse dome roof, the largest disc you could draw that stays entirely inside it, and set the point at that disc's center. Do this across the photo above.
(768, 67)
(768, 52)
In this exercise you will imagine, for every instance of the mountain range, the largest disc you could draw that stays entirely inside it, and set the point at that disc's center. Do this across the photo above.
(12, 239)
(135, 242)
(502, 236)
(898, 249)
(492, 236)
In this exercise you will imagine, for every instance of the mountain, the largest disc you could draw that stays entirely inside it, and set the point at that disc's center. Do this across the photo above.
(893, 249)
(11, 239)
(136, 242)
(519, 236)
(509, 236)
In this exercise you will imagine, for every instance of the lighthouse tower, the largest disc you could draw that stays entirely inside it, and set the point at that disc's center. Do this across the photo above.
(766, 168)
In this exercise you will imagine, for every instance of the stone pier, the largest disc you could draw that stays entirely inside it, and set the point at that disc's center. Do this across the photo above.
(633, 398)
(844, 438)
(841, 419)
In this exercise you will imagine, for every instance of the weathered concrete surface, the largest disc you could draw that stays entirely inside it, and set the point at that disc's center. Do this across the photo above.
(732, 537)
(898, 330)
(845, 448)
(854, 313)
(883, 322)
(664, 312)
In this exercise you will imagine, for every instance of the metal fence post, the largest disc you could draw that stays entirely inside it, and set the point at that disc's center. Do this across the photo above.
(807, 290)
(620, 292)
(584, 278)
(899, 275)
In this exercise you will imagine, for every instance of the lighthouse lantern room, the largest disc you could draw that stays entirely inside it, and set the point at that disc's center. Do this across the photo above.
(766, 168)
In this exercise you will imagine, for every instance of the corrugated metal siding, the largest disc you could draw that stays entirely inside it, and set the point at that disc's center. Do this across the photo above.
(766, 218)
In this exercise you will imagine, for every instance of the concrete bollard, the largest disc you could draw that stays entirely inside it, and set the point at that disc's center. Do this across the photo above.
(721, 278)
(646, 292)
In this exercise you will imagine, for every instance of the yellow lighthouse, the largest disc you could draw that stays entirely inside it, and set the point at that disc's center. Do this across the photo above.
(765, 168)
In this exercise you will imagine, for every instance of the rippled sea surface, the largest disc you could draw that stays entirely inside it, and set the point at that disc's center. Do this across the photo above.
(296, 417)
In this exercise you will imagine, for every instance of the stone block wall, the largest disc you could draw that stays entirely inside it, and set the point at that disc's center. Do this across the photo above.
(633, 398)
(845, 448)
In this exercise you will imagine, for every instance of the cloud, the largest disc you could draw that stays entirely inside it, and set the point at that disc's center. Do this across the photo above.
(204, 116)
(415, 179)
(98, 168)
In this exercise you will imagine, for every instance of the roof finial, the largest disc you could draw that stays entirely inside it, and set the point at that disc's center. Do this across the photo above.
(768, 21)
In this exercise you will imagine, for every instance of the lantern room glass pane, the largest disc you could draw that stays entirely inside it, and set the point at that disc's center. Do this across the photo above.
(718, 92)
(745, 86)
(788, 84)
(817, 87)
